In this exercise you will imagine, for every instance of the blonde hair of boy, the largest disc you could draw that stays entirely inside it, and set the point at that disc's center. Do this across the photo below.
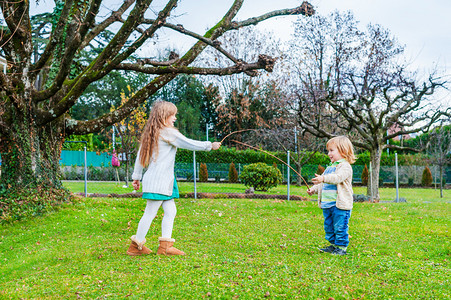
(344, 147)
(159, 114)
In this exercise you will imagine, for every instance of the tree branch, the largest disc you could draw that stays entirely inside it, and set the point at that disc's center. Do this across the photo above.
(120, 38)
(396, 147)
(148, 33)
(305, 9)
(81, 127)
(264, 62)
(55, 37)
(115, 16)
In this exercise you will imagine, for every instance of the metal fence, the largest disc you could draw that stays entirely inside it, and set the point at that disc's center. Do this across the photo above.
(220, 172)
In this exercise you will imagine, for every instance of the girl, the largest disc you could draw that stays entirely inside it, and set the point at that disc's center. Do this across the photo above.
(159, 143)
(335, 196)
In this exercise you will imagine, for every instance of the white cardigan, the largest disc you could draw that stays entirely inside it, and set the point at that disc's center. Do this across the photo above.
(159, 177)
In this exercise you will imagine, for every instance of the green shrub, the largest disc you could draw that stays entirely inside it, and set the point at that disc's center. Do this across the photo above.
(203, 173)
(410, 181)
(260, 176)
(233, 173)
(365, 175)
(426, 179)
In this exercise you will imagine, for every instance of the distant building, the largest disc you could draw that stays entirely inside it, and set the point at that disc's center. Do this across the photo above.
(396, 128)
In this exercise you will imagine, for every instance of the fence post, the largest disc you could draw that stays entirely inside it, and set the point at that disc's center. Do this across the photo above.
(86, 164)
(194, 171)
(86, 175)
(288, 175)
(397, 180)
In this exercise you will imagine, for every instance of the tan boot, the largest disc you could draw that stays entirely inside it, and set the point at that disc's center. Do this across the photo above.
(166, 248)
(137, 248)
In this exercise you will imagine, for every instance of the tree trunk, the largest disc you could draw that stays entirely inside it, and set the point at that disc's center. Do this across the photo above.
(300, 182)
(373, 182)
(30, 156)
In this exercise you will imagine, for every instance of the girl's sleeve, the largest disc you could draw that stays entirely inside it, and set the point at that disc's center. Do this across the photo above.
(138, 170)
(180, 141)
(342, 172)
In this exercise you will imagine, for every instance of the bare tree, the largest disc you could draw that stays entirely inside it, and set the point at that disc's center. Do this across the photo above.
(35, 118)
(246, 43)
(439, 147)
(356, 86)
(247, 102)
(302, 148)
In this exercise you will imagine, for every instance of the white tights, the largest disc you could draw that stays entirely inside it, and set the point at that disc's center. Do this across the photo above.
(149, 214)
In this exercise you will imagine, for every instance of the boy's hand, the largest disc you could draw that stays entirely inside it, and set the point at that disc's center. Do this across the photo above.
(215, 145)
(135, 184)
(318, 179)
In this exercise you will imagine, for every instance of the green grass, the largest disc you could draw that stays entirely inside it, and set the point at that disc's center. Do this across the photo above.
(386, 194)
(184, 187)
(236, 248)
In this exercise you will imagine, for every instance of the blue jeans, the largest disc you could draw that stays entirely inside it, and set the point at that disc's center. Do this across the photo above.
(336, 225)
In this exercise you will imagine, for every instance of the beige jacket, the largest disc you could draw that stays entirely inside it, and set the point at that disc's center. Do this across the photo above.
(159, 177)
(343, 179)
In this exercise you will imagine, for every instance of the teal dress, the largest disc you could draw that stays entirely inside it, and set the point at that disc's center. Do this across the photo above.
(159, 197)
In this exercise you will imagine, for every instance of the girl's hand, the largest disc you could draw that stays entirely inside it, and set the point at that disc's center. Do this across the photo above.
(310, 192)
(318, 179)
(215, 145)
(135, 184)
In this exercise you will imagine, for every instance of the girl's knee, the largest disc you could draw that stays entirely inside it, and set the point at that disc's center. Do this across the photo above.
(170, 209)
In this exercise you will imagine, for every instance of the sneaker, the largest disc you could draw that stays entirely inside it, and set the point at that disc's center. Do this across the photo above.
(329, 249)
(339, 251)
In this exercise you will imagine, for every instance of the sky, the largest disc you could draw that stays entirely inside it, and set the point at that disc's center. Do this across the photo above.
(423, 26)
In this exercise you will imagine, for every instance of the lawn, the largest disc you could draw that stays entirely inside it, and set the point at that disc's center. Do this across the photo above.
(236, 248)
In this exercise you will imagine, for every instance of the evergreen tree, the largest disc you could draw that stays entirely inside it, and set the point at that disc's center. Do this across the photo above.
(233, 173)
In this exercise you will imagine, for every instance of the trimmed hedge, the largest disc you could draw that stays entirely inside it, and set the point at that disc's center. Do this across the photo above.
(249, 156)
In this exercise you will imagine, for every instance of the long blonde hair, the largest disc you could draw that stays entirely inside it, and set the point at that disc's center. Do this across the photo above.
(344, 147)
(159, 114)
